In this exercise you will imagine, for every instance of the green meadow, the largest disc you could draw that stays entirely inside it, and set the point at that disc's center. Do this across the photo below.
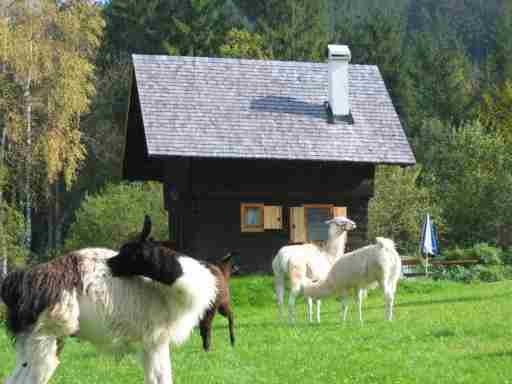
(443, 332)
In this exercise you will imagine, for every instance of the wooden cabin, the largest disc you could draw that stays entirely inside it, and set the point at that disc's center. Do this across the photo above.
(257, 154)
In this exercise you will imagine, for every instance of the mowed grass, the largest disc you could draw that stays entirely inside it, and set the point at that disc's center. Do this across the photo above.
(442, 333)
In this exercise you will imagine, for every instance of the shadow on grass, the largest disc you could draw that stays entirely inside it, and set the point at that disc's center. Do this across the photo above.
(264, 324)
(492, 355)
(414, 303)
(450, 300)
(302, 324)
(445, 332)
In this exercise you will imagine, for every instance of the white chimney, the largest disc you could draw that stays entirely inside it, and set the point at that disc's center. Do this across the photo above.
(339, 57)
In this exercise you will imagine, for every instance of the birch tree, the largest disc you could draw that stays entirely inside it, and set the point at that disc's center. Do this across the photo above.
(49, 48)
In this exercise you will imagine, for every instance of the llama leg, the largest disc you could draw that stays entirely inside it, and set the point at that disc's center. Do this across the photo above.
(344, 307)
(318, 304)
(279, 288)
(389, 297)
(231, 328)
(21, 369)
(225, 311)
(310, 309)
(157, 364)
(205, 327)
(360, 296)
(291, 304)
(43, 358)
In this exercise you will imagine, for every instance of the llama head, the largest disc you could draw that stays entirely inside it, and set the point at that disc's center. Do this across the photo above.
(340, 224)
(147, 258)
(228, 264)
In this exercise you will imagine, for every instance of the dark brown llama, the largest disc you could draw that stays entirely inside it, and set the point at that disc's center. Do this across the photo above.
(222, 273)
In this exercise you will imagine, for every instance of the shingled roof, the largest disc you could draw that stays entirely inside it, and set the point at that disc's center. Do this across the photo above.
(262, 109)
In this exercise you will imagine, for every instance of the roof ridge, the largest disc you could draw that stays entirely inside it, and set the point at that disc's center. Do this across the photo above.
(240, 60)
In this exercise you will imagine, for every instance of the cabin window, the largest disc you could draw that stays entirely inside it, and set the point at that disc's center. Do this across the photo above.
(252, 217)
(307, 222)
(260, 217)
(316, 216)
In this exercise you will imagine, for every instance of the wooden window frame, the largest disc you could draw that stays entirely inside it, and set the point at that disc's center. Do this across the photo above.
(248, 227)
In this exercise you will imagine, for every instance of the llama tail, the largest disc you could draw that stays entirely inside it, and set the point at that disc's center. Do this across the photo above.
(389, 246)
(279, 276)
(386, 243)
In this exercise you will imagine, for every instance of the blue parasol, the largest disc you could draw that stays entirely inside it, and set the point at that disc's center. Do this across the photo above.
(428, 244)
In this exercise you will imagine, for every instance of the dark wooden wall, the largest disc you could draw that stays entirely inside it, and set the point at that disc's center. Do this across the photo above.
(137, 165)
(204, 203)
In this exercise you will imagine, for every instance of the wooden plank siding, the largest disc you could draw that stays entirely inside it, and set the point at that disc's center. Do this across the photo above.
(208, 200)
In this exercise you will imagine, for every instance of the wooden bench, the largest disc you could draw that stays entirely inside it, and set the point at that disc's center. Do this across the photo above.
(436, 263)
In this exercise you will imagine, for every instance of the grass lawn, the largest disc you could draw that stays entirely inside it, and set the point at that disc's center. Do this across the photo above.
(442, 333)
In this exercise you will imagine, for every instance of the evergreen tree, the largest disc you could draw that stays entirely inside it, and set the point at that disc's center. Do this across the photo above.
(496, 111)
(244, 44)
(441, 80)
(182, 27)
(500, 60)
(295, 29)
(133, 27)
(376, 39)
(199, 27)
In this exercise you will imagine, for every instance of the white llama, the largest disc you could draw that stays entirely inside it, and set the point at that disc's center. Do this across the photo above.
(311, 261)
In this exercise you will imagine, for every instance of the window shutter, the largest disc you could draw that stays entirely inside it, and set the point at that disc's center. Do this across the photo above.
(273, 217)
(339, 211)
(297, 225)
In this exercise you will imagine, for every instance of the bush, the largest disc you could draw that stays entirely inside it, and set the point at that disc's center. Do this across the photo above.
(13, 231)
(116, 214)
(506, 256)
(489, 274)
(399, 207)
(456, 273)
(3, 313)
(455, 254)
(486, 253)
(475, 273)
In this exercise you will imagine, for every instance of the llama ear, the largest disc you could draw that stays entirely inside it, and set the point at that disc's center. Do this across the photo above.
(146, 229)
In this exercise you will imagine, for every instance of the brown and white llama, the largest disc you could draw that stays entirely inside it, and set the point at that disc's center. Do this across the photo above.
(93, 294)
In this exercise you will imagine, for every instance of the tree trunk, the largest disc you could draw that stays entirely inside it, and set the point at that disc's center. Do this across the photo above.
(50, 243)
(27, 96)
(59, 216)
(3, 242)
(3, 144)
(28, 166)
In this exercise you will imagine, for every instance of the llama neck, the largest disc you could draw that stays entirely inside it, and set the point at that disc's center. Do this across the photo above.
(225, 267)
(317, 290)
(336, 247)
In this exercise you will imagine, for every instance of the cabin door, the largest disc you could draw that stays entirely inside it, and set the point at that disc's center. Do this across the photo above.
(307, 223)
